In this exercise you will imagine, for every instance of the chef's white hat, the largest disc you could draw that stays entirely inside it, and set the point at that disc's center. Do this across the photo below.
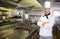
(47, 4)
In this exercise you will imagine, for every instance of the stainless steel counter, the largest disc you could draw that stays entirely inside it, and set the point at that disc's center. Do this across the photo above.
(58, 28)
(19, 34)
(18, 31)
(24, 33)
(57, 22)
(7, 29)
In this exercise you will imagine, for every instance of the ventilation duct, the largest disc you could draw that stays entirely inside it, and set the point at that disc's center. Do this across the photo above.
(16, 1)
(41, 2)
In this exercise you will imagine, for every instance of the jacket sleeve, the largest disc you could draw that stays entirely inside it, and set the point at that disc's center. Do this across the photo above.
(51, 23)
(39, 23)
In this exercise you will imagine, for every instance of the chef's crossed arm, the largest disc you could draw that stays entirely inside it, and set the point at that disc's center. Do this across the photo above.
(41, 23)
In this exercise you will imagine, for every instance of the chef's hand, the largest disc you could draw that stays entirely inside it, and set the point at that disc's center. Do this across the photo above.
(44, 23)
(40, 20)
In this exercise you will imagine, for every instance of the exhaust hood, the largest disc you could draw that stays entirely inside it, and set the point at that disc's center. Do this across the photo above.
(6, 4)
(15, 1)
(23, 3)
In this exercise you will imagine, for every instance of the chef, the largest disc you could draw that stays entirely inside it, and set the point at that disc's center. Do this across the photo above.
(46, 22)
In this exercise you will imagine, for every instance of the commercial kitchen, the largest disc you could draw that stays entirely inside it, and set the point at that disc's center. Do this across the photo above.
(18, 18)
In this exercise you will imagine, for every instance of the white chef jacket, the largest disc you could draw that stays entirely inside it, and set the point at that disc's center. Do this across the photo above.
(46, 30)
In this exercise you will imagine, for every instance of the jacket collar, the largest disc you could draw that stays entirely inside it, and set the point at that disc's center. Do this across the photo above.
(47, 15)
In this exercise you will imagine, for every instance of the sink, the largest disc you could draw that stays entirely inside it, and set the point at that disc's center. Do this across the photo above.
(21, 33)
(29, 29)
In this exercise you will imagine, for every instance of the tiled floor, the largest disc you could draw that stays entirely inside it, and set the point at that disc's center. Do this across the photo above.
(54, 37)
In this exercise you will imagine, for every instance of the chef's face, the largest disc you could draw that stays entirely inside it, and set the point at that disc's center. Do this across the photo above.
(47, 10)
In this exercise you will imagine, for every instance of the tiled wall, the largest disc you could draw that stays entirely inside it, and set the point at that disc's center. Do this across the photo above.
(35, 12)
(35, 15)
